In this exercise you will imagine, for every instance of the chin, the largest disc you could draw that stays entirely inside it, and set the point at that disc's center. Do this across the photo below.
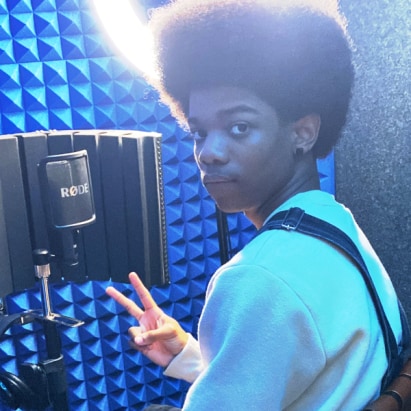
(227, 208)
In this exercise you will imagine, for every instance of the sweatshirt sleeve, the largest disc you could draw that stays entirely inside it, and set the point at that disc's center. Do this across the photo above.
(259, 344)
(188, 364)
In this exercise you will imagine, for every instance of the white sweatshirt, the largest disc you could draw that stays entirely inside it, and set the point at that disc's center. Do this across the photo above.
(288, 324)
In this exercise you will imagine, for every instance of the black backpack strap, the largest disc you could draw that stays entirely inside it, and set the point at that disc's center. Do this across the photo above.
(295, 219)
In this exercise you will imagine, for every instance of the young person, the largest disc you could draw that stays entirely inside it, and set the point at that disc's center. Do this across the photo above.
(288, 324)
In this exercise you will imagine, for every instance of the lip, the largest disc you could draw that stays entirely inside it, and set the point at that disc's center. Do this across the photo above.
(215, 179)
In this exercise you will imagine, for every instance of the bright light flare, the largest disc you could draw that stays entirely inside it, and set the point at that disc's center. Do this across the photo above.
(129, 35)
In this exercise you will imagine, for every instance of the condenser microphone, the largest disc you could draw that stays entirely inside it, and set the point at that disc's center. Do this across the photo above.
(67, 196)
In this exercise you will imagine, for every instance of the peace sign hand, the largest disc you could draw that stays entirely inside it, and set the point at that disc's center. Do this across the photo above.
(159, 336)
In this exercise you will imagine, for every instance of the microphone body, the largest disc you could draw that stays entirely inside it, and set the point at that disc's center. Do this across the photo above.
(67, 195)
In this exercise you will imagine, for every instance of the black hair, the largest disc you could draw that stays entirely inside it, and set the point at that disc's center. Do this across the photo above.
(295, 57)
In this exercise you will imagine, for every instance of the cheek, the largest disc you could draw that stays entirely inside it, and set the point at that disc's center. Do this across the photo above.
(271, 164)
(271, 154)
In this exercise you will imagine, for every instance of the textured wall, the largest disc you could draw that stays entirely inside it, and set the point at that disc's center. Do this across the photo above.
(373, 160)
(55, 72)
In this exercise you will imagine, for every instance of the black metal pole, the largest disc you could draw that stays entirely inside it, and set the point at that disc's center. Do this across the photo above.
(55, 368)
(54, 364)
(223, 233)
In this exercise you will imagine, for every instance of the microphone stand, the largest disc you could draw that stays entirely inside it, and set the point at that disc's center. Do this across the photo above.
(54, 392)
(54, 365)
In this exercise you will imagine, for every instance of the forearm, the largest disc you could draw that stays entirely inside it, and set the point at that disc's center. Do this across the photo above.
(188, 364)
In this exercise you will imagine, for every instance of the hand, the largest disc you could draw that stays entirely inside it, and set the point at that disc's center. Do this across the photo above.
(159, 336)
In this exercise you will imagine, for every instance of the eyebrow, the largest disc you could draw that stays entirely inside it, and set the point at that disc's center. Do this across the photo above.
(241, 108)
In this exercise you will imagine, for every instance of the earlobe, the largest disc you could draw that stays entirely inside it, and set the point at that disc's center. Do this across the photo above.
(306, 131)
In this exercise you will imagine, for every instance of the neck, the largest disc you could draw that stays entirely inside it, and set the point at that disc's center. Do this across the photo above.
(304, 179)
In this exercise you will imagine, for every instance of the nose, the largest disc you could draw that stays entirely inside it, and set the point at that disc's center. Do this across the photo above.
(212, 149)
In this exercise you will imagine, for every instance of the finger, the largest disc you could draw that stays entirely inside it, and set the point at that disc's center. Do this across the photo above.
(135, 334)
(137, 341)
(132, 308)
(143, 338)
(142, 292)
(134, 331)
(140, 336)
(141, 348)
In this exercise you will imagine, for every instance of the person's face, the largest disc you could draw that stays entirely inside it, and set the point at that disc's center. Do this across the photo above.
(245, 158)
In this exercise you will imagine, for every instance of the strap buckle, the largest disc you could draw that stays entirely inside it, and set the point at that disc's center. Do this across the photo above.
(292, 219)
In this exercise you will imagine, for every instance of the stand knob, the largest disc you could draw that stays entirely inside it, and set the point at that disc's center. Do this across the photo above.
(41, 256)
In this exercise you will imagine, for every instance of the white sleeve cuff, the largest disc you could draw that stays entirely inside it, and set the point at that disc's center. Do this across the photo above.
(188, 364)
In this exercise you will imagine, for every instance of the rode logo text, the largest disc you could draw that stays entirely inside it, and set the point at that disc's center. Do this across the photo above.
(74, 191)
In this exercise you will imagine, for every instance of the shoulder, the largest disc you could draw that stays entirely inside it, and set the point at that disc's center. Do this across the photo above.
(254, 288)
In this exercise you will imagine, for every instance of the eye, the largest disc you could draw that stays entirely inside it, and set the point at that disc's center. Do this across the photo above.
(198, 134)
(240, 129)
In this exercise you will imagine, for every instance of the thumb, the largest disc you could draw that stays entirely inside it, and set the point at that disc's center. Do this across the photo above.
(149, 337)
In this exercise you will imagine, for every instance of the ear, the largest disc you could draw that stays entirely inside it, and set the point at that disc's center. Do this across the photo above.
(305, 132)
